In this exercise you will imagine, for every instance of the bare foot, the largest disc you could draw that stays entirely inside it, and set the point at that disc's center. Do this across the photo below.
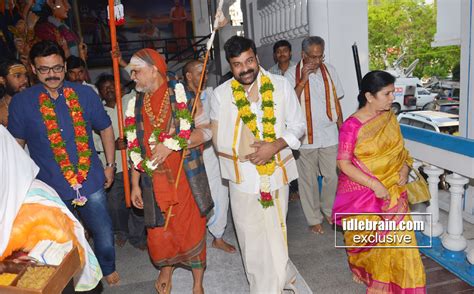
(329, 219)
(142, 247)
(317, 229)
(163, 283)
(198, 290)
(357, 279)
(120, 242)
(219, 243)
(295, 196)
(113, 279)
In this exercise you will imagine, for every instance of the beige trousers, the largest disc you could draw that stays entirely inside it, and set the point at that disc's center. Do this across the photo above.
(261, 239)
(311, 164)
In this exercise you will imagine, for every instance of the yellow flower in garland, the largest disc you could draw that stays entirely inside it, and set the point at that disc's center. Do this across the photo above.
(268, 112)
(268, 128)
(245, 111)
(252, 125)
(268, 121)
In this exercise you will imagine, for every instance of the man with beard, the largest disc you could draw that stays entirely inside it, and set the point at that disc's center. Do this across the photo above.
(13, 79)
(282, 55)
(156, 161)
(319, 89)
(55, 118)
(219, 187)
(127, 223)
(256, 119)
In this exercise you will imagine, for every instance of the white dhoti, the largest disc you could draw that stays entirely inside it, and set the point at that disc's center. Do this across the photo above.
(262, 241)
(219, 192)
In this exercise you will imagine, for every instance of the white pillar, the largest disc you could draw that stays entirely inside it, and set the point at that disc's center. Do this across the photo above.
(268, 24)
(454, 240)
(261, 14)
(287, 10)
(274, 22)
(470, 256)
(280, 20)
(291, 12)
(435, 228)
(419, 207)
(303, 30)
(297, 16)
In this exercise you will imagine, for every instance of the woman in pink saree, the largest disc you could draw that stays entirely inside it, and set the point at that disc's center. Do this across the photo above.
(374, 168)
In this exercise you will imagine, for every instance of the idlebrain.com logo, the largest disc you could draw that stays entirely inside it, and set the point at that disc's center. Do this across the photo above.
(382, 230)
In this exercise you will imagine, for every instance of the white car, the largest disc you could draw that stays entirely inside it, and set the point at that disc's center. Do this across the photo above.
(437, 121)
(423, 97)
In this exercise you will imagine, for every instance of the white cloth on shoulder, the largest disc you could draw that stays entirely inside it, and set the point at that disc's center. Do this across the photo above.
(17, 172)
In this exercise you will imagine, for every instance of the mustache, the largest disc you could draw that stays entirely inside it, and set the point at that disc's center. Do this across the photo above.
(52, 79)
(246, 72)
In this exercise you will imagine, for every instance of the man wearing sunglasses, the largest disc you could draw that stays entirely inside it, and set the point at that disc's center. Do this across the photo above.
(55, 118)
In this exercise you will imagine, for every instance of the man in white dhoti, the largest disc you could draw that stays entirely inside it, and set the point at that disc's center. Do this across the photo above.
(219, 186)
(256, 119)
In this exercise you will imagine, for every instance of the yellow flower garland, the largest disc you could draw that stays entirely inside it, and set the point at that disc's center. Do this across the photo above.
(250, 119)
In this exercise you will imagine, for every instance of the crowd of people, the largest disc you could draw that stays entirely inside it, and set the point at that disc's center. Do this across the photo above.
(244, 142)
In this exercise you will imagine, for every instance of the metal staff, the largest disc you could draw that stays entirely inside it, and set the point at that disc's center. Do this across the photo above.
(118, 97)
(219, 19)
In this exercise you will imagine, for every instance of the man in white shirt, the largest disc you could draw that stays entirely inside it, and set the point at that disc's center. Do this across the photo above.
(256, 119)
(318, 87)
(282, 55)
(219, 187)
(128, 223)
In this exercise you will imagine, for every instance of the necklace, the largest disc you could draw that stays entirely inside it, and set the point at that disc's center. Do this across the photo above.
(164, 107)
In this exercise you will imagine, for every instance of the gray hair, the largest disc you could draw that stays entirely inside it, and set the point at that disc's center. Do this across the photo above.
(310, 41)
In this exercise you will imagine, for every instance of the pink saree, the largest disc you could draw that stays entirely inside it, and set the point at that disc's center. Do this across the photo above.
(376, 148)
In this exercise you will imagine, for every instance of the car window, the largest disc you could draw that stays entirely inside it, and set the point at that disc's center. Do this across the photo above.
(451, 130)
(428, 127)
(417, 124)
(423, 92)
(404, 121)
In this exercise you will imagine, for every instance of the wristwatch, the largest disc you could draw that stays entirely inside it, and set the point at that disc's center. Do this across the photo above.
(114, 165)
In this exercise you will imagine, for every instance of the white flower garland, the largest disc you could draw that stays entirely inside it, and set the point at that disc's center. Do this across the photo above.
(175, 142)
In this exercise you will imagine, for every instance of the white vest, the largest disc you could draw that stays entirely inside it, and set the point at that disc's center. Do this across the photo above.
(230, 129)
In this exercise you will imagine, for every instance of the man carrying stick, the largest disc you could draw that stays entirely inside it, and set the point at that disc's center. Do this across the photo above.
(155, 137)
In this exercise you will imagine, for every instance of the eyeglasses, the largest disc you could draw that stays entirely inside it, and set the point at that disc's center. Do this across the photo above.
(55, 69)
(320, 57)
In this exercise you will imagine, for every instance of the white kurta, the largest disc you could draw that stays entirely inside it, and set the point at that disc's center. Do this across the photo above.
(261, 232)
(219, 186)
(325, 131)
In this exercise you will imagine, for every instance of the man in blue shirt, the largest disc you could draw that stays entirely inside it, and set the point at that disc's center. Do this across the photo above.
(46, 118)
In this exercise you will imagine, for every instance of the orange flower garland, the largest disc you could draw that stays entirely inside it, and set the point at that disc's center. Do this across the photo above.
(58, 146)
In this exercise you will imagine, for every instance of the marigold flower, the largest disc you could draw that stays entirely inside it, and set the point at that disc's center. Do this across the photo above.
(252, 125)
(268, 112)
